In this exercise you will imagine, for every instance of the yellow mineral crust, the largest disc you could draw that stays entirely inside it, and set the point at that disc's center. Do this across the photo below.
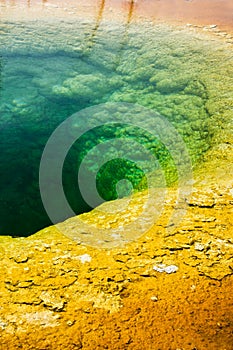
(164, 290)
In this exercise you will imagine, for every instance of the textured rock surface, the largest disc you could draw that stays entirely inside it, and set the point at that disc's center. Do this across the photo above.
(57, 293)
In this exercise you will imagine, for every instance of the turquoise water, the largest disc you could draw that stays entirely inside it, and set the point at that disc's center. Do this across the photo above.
(50, 70)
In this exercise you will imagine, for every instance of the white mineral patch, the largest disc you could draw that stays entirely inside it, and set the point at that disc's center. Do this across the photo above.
(42, 318)
(199, 247)
(3, 324)
(84, 258)
(164, 268)
(116, 236)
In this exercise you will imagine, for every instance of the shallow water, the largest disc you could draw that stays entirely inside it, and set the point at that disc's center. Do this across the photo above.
(50, 70)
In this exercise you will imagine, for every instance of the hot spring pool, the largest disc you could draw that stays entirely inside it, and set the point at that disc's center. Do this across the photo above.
(50, 70)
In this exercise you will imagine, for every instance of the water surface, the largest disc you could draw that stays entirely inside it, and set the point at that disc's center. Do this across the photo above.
(51, 69)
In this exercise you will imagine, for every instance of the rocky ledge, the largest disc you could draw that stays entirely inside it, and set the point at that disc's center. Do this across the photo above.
(164, 290)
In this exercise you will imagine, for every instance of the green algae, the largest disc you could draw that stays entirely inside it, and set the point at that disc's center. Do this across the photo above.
(49, 71)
